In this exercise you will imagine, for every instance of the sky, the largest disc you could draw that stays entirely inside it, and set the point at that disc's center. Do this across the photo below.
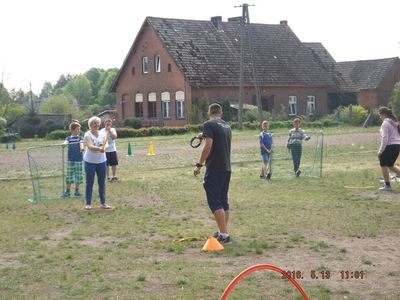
(42, 39)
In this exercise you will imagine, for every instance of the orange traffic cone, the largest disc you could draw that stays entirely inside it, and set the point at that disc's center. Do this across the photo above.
(212, 244)
(151, 150)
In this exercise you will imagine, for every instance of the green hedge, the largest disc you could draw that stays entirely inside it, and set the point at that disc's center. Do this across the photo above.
(131, 132)
(287, 124)
(58, 134)
(157, 131)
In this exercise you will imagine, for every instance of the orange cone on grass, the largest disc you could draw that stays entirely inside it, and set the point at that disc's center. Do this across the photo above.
(212, 244)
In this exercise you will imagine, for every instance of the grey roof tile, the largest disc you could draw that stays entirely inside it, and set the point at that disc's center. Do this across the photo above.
(366, 74)
(211, 56)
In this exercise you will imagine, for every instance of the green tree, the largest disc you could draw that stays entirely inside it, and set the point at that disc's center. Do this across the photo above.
(47, 91)
(199, 110)
(394, 101)
(94, 76)
(81, 90)
(105, 96)
(63, 81)
(11, 103)
(5, 100)
(60, 104)
(226, 108)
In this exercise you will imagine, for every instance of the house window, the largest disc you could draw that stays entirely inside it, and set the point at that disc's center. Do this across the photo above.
(311, 105)
(166, 102)
(145, 65)
(139, 105)
(151, 105)
(157, 63)
(169, 68)
(133, 70)
(293, 105)
(180, 104)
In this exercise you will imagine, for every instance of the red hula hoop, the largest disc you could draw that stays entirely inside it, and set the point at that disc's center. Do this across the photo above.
(261, 267)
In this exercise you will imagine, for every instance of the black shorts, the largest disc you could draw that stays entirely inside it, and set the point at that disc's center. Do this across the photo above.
(216, 185)
(112, 158)
(389, 155)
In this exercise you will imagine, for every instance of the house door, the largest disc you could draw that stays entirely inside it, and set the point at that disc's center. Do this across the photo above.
(268, 103)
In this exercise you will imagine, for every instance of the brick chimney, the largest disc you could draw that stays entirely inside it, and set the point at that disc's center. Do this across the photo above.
(283, 22)
(216, 21)
(235, 19)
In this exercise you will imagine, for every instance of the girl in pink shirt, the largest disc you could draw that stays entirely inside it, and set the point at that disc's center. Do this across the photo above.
(390, 145)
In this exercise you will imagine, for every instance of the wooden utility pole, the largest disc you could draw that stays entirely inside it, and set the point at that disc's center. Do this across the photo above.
(245, 19)
(241, 83)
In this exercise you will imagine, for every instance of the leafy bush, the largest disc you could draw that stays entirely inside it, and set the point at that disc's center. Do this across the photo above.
(58, 134)
(375, 119)
(251, 115)
(41, 130)
(51, 126)
(358, 115)
(281, 124)
(226, 108)
(394, 101)
(27, 131)
(133, 122)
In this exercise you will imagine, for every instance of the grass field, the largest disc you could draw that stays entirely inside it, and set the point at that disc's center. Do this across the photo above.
(313, 226)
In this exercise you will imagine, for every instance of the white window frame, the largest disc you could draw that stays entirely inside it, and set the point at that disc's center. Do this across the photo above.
(166, 102)
(311, 105)
(157, 63)
(139, 97)
(180, 104)
(145, 65)
(293, 105)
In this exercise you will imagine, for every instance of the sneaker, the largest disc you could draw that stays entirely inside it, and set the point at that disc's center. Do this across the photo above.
(114, 179)
(108, 178)
(297, 173)
(67, 194)
(88, 207)
(216, 234)
(106, 206)
(262, 176)
(224, 241)
(385, 188)
(77, 194)
(268, 176)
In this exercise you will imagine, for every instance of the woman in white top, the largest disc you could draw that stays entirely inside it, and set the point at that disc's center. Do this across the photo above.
(95, 162)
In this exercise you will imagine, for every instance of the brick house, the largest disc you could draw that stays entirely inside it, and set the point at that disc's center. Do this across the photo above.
(373, 79)
(173, 63)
